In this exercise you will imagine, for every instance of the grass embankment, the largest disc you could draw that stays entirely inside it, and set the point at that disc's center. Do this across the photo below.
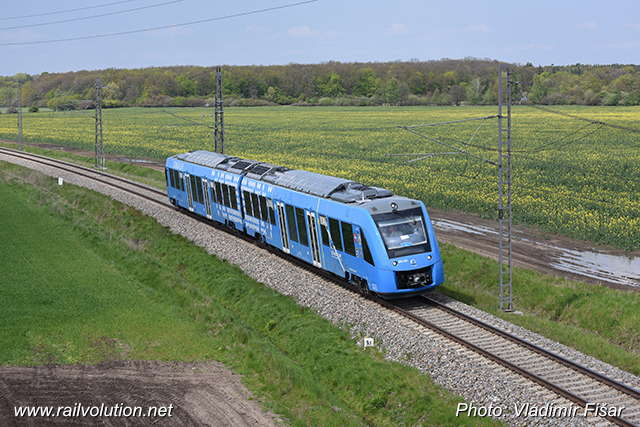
(86, 279)
(596, 320)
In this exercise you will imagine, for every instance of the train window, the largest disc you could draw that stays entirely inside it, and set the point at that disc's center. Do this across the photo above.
(347, 237)
(256, 205)
(403, 232)
(302, 227)
(263, 208)
(225, 195)
(218, 193)
(175, 179)
(233, 198)
(199, 189)
(272, 214)
(323, 230)
(291, 222)
(212, 186)
(179, 178)
(194, 193)
(247, 203)
(170, 179)
(334, 228)
(365, 249)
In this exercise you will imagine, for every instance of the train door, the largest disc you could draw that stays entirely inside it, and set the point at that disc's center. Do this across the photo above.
(313, 237)
(189, 195)
(283, 228)
(207, 200)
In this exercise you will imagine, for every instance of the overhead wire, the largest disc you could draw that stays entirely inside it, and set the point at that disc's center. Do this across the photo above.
(162, 27)
(559, 143)
(516, 186)
(117, 12)
(64, 11)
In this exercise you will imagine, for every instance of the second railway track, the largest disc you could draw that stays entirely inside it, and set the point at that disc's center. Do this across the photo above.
(558, 374)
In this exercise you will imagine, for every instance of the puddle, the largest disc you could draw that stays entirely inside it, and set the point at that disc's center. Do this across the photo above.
(616, 269)
(611, 268)
(138, 161)
(446, 225)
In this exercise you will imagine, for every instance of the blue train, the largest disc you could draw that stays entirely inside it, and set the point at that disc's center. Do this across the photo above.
(380, 242)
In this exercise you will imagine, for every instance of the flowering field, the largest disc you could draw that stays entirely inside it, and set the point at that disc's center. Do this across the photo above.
(570, 176)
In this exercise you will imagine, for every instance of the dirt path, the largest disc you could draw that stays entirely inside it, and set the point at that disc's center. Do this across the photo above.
(184, 394)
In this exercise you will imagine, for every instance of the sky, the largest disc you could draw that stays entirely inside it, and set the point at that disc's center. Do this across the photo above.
(58, 36)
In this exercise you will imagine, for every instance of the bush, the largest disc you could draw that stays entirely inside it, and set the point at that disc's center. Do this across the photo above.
(178, 101)
(325, 102)
(557, 98)
(612, 99)
(34, 109)
(250, 102)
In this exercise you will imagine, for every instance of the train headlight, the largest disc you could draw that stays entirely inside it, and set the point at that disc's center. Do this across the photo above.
(429, 257)
(394, 206)
(395, 263)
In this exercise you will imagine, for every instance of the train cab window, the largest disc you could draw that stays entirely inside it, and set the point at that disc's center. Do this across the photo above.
(302, 227)
(403, 232)
(247, 203)
(256, 205)
(291, 223)
(218, 193)
(233, 198)
(334, 228)
(365, 249)
(263, 208)
(347, 237)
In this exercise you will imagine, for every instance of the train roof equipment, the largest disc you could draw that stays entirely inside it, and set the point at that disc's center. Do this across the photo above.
(325, 186)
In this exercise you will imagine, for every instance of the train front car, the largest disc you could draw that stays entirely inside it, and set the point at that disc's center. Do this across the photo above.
(408, 256)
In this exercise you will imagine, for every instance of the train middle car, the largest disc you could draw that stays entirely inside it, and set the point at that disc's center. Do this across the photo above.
(380, 242)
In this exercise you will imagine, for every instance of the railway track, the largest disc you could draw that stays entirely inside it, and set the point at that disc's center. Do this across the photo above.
(593, 393)
(140, 190)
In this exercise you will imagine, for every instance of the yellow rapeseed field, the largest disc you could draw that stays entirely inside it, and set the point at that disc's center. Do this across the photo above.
(570, 176)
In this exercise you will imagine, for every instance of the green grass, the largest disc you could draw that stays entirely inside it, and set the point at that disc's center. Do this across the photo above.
(88, 279)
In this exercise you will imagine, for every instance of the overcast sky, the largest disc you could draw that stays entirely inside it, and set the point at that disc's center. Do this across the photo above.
(544, 32)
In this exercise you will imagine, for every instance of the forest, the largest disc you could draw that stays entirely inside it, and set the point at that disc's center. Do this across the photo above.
(468, 81)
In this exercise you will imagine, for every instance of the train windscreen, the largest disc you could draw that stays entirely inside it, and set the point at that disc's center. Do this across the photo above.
(403, 232)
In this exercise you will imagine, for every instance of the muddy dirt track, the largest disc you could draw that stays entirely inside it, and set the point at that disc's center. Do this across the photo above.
(110, 393)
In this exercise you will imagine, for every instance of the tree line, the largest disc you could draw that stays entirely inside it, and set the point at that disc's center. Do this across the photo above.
(437, 82)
